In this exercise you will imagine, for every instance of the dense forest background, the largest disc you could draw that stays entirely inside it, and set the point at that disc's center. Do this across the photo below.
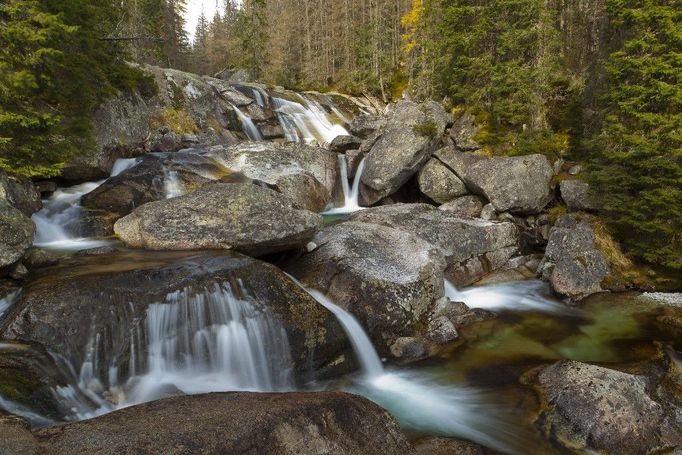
(594, 81)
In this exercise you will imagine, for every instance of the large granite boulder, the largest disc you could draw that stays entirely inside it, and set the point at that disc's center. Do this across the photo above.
(471, 247)
(411, 134)
(519, 185)
(20, 193)
(463, 133)
(306, 174)
(16, 235)
(466, 206)
(573, 264)
(364, 125)
(439, 183)
(234, 216)
(589, 408)
(108, 298)
(235, 423)
(386, 277)
(576, 195)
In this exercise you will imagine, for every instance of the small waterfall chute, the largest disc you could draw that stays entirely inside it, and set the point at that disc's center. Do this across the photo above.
(6, 303)
(351, 192)
(248, 126)
(123, 164)
(306, 121)
(172, 184)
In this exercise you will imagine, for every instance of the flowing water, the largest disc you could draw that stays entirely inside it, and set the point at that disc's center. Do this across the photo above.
(7, 302)
(351, 191)
(249, 128)
(172, 184)
(306, 121)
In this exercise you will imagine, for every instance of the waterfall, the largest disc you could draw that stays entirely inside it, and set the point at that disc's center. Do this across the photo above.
(191, 343)
(530, 295)
(258, 97)
(22, 411)
(452, 292)
(249, 128)
(7, 302)
(123, 164)
(307, 122)
(351, 194)
(172, 184)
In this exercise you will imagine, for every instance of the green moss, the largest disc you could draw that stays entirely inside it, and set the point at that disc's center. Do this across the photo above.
(427, 128)
(178, 120)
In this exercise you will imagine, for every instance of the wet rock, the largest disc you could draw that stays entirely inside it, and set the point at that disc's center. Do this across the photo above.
(576, 195)
(342, 144)
(46, 187)
(386, 277)
(16, 436)
(573, 264)
(411, 134)
(16, 235)
(365, 125)
(441, 330)
(289, 423)
(409, 349)
(64, 307)
(20, 193)
(241, 217)
(463, 133)
(519, 185)
(591, 408)
(353, 159)
(447, 446)
(439, 183)
(307, 175)
(471, 247)
(466, 206)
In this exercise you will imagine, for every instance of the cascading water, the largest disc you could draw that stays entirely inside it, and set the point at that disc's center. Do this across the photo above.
(531, 295)
(306, 122)
(22, 411)
(418, 402)
(351, 194)
(249, 128)
(7, 302)
(123, 164)
(172, 184)
(193, 342)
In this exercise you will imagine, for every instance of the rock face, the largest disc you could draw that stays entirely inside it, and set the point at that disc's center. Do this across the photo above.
(463, 133)
(16, 235)
(466, 206)
(305, 174)
(518, 185)
(576, 195)
(590, 408)
(387, 278)
(365, 125)
(573, 265)
(237, 216)
(289, 423)
(471, 247)
(20, 193)
(406, 144)
(439, 183)
(65, 306)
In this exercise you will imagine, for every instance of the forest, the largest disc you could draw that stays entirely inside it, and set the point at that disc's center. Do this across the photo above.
(595, 81)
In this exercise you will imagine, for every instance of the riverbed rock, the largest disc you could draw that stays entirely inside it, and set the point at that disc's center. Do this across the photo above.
(343, 143)
(447, 446)
(306, 174)
(463, 133)
(520, 185)
(386, 277)
(591, 408)
(576, 195)
(20, 193)
(233, 216)
(364, 125)
(471, 247)
(16, 436)
(410, 137)
(465, 206)
(439, 183)
(289, 423)
(62, 308)
(16, 236)
(573, 264)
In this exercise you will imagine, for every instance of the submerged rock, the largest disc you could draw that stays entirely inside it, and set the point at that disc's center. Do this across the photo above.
(16, 235)
(517, 185)
(232, 216)
(289, 423)
(471, 247)
(439, 183)
(591, 408)
(406, 144)
(573, 264)
(386, 277)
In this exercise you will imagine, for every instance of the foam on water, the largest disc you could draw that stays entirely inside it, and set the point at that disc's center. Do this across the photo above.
(530, 295)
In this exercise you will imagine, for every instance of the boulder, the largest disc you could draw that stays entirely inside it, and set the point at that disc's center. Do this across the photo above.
(20, 193)
(439, 183)
(463, 133)
(594, 409)
(465, 206)
(407, 143)
(573, 264)
(235, 423)
(447, 446)
(576, 195)
(471, 247)
(519, 185)
(108, 297)
(16, 437)
(386, 277)
(234, 216)
(343, 143)
(457, 161)
(16, 235)
(364, 125)
(307, 175)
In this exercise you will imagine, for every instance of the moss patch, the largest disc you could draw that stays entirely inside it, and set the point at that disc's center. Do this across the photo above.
(178, 120)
